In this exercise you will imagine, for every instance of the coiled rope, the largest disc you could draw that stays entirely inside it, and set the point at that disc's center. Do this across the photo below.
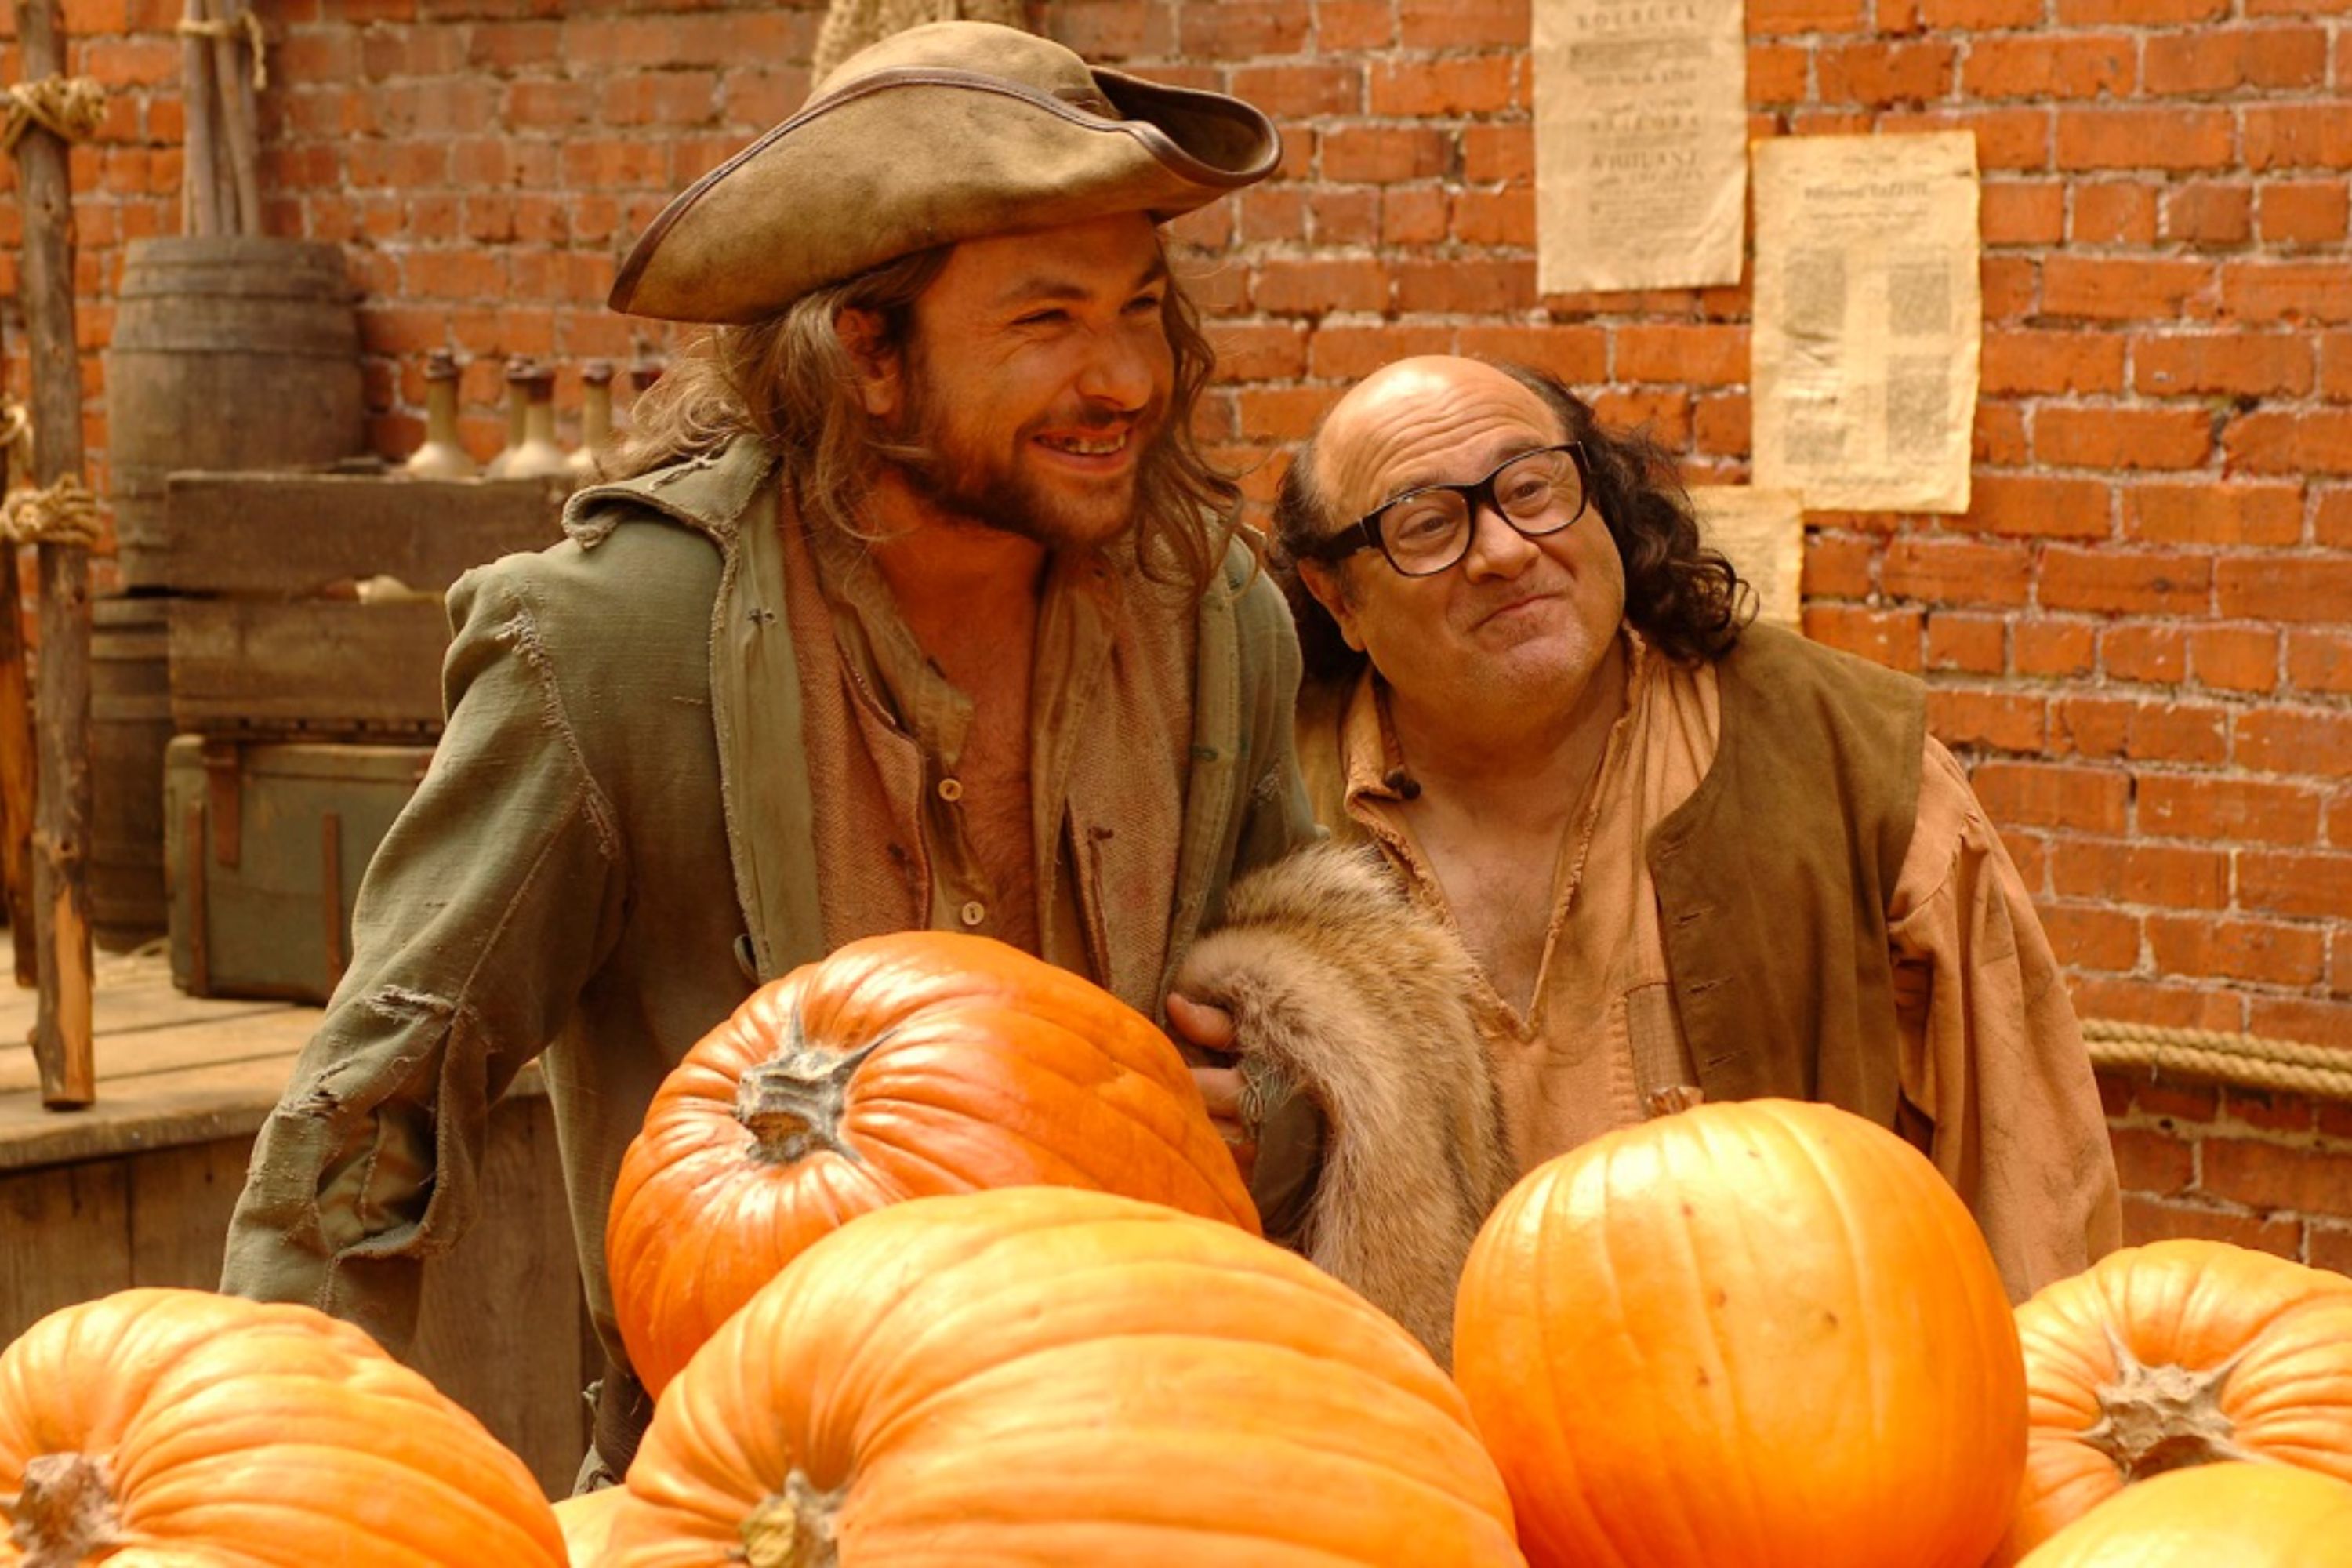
(68, 108)
(62, 513)
(2217, 1054)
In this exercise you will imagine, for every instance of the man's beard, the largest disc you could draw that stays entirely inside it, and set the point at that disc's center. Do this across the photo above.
(986, 487)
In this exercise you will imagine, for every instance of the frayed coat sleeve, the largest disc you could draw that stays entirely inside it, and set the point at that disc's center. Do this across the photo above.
(1991, 1054)
(481, 917)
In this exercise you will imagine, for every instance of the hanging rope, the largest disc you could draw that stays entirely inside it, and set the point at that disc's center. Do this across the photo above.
(68, 108)
(17, 440)
(62, 513)
(2247, 1061)
(245, 25)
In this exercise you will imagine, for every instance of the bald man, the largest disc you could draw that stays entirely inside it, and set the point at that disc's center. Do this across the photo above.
(1691, 858)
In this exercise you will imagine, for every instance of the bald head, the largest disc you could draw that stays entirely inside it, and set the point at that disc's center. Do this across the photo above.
(1443, 419)
(1421, 421)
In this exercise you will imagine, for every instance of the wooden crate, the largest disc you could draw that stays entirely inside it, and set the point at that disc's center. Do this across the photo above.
(264, 846)
(314, 668)
(272, 637)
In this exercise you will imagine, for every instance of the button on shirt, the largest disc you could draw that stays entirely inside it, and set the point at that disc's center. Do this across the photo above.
(1112, 666)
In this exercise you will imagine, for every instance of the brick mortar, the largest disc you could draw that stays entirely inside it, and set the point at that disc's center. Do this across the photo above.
(1706, 422)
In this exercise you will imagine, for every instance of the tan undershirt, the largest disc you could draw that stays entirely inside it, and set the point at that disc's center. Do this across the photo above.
(1111, 720)
(1991, 1051)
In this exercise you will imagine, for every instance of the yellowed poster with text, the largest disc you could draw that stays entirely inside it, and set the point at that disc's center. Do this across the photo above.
(1641, 144)
(1868, 319)
(1762, 534)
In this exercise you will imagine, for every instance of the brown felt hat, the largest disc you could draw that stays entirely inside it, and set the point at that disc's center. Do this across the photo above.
(941, 133)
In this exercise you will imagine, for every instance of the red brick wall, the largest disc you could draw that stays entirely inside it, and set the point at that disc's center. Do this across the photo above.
(2141, 637)
(2273, 1171)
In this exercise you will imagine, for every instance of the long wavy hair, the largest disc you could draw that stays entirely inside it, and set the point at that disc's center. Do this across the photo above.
(789, 381)
(1681, 596)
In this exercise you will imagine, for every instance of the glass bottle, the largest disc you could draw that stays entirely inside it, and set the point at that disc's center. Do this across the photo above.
(595, 419)
(519, 369)
(538, 456)
(442, 457)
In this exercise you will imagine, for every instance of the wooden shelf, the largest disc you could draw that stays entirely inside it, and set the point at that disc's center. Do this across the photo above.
(138, 1189)
(173, 1069)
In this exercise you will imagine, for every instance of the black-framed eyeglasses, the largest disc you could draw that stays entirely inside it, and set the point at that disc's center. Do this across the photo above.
(1425, 531)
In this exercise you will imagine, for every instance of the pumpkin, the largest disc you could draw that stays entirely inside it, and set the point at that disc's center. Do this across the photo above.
(1760, 1332)
(905, 1066)
(2179, 1353)
(1046, 1374)
(172, 1426)
(587, 1522)
(2230, 1515)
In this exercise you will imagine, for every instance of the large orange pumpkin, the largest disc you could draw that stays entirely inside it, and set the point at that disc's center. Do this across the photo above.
(2228, 1515)
(1762, 1333)
(179, 1429)
(587, 1521)
(2179, 1353)
(1046, 1376)
(899, 1067)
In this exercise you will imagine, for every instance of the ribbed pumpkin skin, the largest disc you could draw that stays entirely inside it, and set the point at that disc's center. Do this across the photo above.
(587, 1523)
(988, 1067)
(1759, 1333)
(2179, 1309)
(233, 1433)
(1045, 1375)
(2215, 1516)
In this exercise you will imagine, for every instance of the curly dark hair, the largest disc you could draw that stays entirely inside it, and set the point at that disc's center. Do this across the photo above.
(1680, 595)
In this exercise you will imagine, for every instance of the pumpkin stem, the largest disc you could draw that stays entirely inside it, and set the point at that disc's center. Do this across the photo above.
(2157, 1418)
(794, 1101)
(793, 1528)
(65, 1514)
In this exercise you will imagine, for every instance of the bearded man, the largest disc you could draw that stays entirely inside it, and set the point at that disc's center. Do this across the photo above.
(918, 607)
(1689, 858)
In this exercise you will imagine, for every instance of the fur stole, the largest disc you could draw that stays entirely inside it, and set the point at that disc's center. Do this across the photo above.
(1360, 1000)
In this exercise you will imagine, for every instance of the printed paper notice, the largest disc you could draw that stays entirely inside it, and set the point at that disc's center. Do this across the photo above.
(1640, 142)
(1867, 320)
(1762, 534)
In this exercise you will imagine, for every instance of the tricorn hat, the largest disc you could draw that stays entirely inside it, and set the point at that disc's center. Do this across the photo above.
(941, 133)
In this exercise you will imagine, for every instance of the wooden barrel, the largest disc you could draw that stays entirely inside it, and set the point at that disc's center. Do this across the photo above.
(129, 724)
(229, 353)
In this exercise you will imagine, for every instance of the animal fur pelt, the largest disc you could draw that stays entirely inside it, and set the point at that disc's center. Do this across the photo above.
(1361, 1000)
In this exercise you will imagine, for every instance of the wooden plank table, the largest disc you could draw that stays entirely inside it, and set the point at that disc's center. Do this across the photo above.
(137, 1190)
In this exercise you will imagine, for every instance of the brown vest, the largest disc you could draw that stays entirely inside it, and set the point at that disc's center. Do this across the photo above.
(1773, 878)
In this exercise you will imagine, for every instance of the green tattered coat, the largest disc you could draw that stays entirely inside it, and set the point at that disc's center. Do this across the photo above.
(615, 842)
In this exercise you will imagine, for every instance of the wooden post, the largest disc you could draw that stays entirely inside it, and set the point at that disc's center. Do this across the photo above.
(200, 193)
(62, 1038)
(16, 763)
(239, 137)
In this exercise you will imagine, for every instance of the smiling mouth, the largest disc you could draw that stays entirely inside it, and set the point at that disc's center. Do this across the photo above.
(1515, 604)
(1108, 445)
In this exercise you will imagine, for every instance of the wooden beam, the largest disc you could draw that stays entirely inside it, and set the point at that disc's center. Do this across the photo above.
(61, 1035)
(200, 193)
(18, 765)
(239, 139)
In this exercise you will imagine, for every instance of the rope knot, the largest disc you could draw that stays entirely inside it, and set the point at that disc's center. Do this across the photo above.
(62, 513)
(16, 439)
(245, 25)
(68, 108)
